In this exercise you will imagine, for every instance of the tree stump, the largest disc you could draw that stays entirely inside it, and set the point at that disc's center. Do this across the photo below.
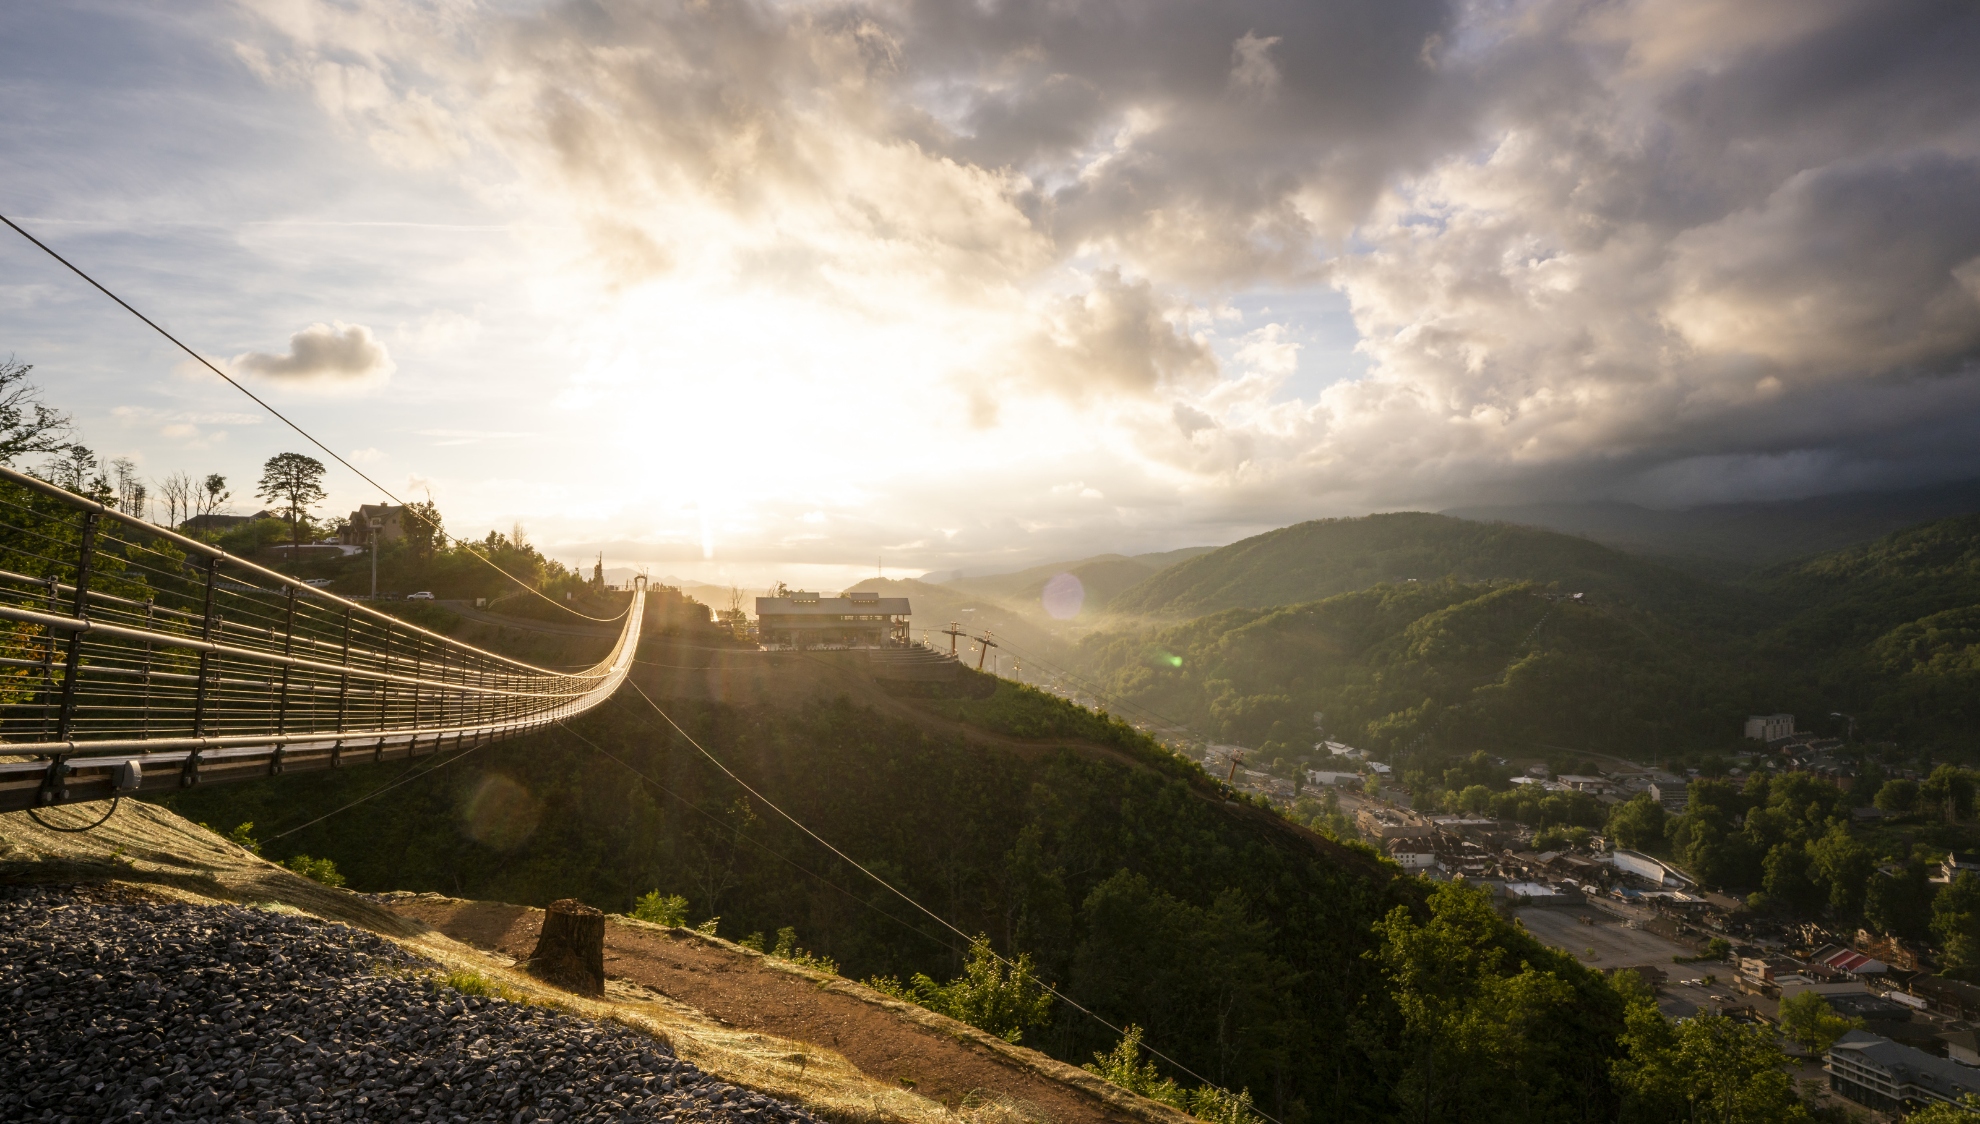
(570, 953)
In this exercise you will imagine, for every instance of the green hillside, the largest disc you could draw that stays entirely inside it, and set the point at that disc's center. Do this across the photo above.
(1891, 630)
(1429, 668)
(1311, 561)
(1257, 955)
(1647, 664)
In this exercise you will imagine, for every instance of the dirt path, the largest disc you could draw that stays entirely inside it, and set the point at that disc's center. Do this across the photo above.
(887, 1041)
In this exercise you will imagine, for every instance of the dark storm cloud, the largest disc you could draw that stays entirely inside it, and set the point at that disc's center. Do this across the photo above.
(1591, 247)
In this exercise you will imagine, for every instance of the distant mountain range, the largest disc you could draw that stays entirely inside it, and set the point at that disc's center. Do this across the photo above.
(1426, 635)
(1727, 539)
(1311, 561)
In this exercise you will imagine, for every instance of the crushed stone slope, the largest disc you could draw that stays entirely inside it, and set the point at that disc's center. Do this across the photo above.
(767, 1025)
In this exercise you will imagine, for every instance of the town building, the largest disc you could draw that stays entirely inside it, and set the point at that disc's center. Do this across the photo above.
(856, 619)
(1414, 857)
(1652, 870)
(391, 524)
(1594, 786)
(1956, 861)
(1883, 1075)
(1770, 727)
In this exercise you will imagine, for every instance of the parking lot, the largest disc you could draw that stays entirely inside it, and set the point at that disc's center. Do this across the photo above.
(1608, 944)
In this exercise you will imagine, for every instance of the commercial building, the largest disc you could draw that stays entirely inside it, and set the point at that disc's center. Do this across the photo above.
(1880, 1074)
(857, 619)
(1770, 727)
(1645, 867)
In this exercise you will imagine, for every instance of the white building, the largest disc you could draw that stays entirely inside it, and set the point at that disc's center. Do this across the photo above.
(1769, 727)
(1322, 776)
(1643, 866)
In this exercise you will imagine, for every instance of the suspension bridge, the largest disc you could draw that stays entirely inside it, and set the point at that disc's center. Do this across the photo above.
(134, 659)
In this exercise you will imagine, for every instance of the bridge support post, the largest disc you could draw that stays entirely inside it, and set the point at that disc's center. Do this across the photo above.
(72, 662)
(205, 662)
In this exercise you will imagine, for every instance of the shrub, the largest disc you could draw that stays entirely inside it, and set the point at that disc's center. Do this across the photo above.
(987, 996)
(316, 870)
(670, 910)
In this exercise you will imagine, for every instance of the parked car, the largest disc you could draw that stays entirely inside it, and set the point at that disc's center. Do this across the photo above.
(422, 595)
(318, 583)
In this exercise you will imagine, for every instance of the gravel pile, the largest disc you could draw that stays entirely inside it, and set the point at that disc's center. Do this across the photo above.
(118, 1008)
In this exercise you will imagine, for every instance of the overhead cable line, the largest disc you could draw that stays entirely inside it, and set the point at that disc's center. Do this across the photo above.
(284, 419)
(1091, 689)
(938, 918)
(409, 775)
(765, 848)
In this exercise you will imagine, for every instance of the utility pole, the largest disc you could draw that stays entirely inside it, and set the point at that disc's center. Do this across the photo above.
(985, 650)
(1232, 775)
(952, 632)
(375, 524)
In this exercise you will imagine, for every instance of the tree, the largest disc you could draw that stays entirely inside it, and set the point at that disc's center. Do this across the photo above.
(1808, 1021)
(1900, 905)
(1787, 884)
(1474, 1017)
(213, 494)
(1843, 866)
(422, 524)
(1956, 923)
(1639, 824)
(985, 996)
(1949, 790)
(27, 425)
(295, 482)
(1967, 1111)
(1707, 1068)
(131, 492)
(1898, 797)
(75, 469)
(178, 491)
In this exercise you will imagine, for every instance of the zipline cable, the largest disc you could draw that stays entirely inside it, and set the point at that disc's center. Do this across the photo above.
(284, 419)
(936, 917)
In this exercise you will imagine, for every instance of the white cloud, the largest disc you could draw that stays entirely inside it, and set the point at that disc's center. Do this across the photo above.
(340, 353)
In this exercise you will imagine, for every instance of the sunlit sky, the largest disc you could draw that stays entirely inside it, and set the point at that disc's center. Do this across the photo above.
(749, 291)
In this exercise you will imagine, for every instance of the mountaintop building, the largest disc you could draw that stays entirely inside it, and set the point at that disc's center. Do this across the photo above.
(856, 619)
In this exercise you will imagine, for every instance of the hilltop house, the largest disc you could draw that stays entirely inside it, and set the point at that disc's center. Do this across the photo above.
(856, 619)
(391, 524)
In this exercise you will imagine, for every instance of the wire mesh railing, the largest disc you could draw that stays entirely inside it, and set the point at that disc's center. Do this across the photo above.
(133, 657)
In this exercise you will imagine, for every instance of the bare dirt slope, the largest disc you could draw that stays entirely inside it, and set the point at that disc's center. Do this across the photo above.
(889, 1041)
(840, 1049)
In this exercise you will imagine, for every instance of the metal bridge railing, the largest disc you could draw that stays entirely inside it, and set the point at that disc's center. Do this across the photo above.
(134, 658)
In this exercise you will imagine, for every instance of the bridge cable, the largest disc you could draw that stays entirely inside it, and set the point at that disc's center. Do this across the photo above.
(283, 418)
(938, 918)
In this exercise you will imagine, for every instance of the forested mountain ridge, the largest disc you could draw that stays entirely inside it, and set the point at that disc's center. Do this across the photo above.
(1434, 664)
(1735, 539)
(1891, 629)
(1319, 559)
(1648, 663)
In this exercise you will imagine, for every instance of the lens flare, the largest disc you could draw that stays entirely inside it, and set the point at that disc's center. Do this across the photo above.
(1063, 597)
